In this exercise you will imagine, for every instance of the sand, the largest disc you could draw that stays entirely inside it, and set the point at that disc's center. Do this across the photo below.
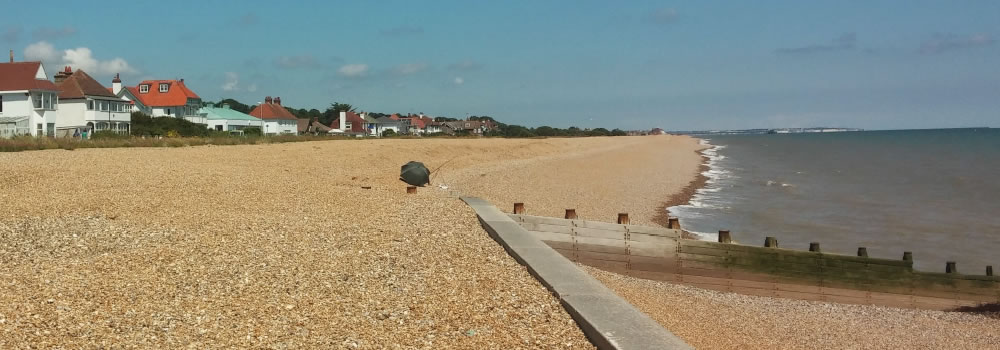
(271, 246)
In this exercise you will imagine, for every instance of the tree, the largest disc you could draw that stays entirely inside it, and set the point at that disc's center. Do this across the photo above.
(342, 107)
(547, 131)
(618, 132)
(599, 132)
(574, 131)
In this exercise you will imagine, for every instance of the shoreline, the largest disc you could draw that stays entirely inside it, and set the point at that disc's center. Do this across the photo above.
(684, 196)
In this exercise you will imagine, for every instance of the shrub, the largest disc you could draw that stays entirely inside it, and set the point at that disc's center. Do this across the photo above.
(388, 133)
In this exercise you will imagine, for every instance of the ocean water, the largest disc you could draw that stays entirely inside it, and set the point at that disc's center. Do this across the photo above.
(935, 193)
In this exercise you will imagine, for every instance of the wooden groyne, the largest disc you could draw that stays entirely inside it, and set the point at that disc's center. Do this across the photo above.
(661, 254)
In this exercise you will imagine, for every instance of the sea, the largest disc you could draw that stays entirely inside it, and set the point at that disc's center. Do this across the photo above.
(935, 193)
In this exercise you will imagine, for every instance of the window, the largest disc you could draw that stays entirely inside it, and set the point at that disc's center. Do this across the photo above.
(1, 103)
(164, 87)
(41, 130)
(37, 100)
(104, 106)
(168, 111)
(347, 126)
(144, 88)
(90, 105)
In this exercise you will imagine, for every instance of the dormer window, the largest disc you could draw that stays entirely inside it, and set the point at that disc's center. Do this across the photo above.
(164, 87)
(144, 88)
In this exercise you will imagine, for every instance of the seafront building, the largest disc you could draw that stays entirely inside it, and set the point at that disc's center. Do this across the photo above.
(276, 119)
(87, 106)
(160, 98)
(224, 118)
(28, 100)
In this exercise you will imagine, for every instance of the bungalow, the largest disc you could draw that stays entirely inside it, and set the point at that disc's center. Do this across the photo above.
(465, 126)
(28, 100)
(277, 119)
(386, 123)
(160, 98)
(349, 123)
(225, 118)
(433, 127)
(87, 106)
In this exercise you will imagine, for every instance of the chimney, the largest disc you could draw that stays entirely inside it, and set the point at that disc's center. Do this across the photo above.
(116, 85)
(66, 72)
(11, 56)
(268, 100)
(277, 101)
(343, 120)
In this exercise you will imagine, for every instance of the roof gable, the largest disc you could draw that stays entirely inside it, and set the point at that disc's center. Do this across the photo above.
(272, 111)
(79, 85)
(357, 124)
(18, 76)
(177, 93)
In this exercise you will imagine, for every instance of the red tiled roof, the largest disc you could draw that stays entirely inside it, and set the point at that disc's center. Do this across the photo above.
(21, 76)
(177, 94)
(418, 122)
(272, 111)
(81, 84)
(357, 124)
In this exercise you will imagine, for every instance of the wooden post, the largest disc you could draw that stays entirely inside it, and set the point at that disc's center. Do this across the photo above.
(989, 270)
(411, 189)
(518, 208)
(571, 214)
(949, 267)
(674, 223)
(725, 237)
(814, 247)
(907, 256)
(623, 218)
(863, 252)
(770, 242)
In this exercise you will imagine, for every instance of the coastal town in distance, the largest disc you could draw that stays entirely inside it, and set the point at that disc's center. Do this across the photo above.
(500, 175)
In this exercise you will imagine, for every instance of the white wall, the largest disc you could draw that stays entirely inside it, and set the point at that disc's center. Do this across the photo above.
(280, 126)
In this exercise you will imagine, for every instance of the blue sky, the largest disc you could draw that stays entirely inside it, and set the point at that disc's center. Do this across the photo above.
(634, 65)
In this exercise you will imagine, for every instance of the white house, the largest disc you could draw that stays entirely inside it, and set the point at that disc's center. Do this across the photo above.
(28, 100)
(87, 106)
(225, 118)
(277, 119)
(160, 98)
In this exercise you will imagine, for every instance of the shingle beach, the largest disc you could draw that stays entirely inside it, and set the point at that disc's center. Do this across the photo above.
(278, 246)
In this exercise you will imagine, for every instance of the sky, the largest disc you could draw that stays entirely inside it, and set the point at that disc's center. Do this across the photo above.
(695, 65)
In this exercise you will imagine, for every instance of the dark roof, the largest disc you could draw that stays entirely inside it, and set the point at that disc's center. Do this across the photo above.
(21, 76)
(80, 84)
(271, 111)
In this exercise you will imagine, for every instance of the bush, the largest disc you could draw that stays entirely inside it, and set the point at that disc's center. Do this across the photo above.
(107, 134)
(388, 133)
(252, 131)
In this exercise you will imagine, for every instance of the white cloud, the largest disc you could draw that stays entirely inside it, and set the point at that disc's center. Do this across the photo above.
(459, 81)
(943, 42)
(252, 87)
(410, 68)
(78, 58)
(353, 70)
(41, 51)
(232, 82)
